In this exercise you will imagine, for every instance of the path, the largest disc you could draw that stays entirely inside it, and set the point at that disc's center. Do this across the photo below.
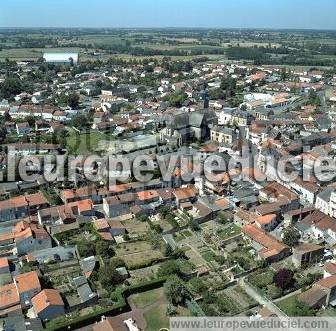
(261, 299)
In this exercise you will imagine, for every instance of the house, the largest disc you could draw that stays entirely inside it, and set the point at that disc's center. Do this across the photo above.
(84, 291)
(318, 226)
(322, 293)
(117, 228)
(59, 214)
(241, 118)
(83, 193)
(305, 254)
(223, 135)
(314, 298)
(225, 116)
(268, 247)
(28, 285)
(85, 207)
(166, 196)
(23, 129)
(9, 298)
(4, 266)
(329, 269)
(14, 208)
(267, 222)
(103, 228)
(30, 237)
(307, 191)
(106, 324)
(185, 197)
(257, 133)
(48, 304)
(119, 205)
(326, 202)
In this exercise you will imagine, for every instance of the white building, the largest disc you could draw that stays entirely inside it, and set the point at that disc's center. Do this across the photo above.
(60, 58)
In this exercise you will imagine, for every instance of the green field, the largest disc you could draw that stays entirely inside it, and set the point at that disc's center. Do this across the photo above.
(145, 299)
(156, 318)
(231, 231)
(288, 305)
(86, 143)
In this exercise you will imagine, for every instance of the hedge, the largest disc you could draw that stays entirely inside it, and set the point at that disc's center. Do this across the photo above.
(120, 307)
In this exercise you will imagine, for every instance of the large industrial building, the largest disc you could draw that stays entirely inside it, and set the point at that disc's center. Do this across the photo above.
(61, 58)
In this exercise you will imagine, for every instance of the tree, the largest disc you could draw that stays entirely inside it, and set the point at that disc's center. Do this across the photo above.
(164, 211)
(176, 291)
(31, 120)
(284, 279)
(11, 87)
(229, 86)
(194, 225)
(291, 236)
(167, 268)
(177, 99)
(79, 121)
(313, 98)
(3, 133)
(86, 249)
(299, 309)
(109, 276)
(104, 249)
(73, 100)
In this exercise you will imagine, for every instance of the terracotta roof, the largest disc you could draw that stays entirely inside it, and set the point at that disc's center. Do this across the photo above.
(14, 202)
(45, 299)
(105, 325)
(80, 192)
(222, 203)
(185, 193)
(271, 245)
(330, 268)
(36, 199)
(27, 282)
(9, 296)
(276, 190)
(307, 247)
(267, 219)
(3, 262)
(82, 205)
(116, 225)
(329, 282)
(101, 224)
(312, 296)
(147, 195)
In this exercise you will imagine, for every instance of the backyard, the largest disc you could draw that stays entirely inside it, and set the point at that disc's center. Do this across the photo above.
(137, 254)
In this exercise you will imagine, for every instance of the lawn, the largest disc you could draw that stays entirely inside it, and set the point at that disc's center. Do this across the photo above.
(86, 143)
(156, 318)
(148, 298)
(231, 231)
(287, 305)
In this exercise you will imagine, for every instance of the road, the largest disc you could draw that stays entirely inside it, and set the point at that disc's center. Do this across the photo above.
(261, 299)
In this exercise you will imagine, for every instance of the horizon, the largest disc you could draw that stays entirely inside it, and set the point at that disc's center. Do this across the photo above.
(149, 14)
(162, 28)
